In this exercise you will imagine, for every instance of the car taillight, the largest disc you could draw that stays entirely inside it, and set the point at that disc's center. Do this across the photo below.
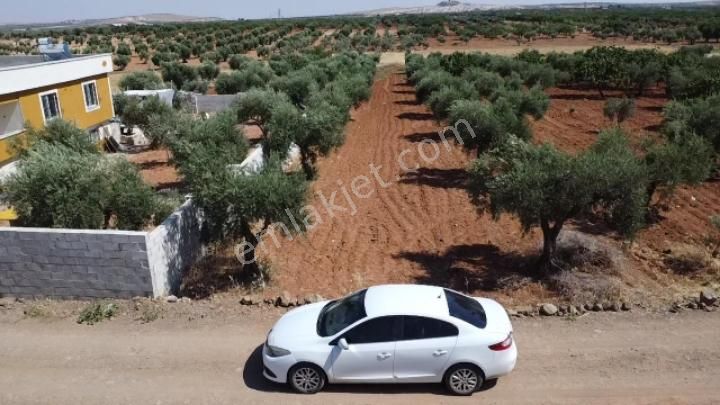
(504, 345)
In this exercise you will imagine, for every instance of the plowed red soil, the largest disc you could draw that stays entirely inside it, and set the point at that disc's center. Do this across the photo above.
(422, 227)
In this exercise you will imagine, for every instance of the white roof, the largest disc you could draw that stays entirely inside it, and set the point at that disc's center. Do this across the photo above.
(14, 79)
(406, 299)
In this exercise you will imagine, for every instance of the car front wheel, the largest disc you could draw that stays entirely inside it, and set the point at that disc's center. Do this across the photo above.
(463, 379)
(306, 378)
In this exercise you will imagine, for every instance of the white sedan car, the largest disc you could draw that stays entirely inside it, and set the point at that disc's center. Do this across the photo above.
(392, 334)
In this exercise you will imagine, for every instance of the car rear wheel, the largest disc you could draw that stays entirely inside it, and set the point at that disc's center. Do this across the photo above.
(306, 378)
(463, 379)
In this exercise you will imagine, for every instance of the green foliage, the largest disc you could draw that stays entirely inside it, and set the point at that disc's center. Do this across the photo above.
(59, 187)
(196, 86)
(671, 164)
(123, 49)
(97, 312)
(178, 74)
(238, 61)
(252, 74)
(121, 61)
(545, 187)
(58, 132)
(619, 109)
(699, 116)
(256, 106)
(144, 80)
(208, 70)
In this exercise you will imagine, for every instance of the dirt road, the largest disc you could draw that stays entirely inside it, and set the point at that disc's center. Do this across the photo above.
(599, 359)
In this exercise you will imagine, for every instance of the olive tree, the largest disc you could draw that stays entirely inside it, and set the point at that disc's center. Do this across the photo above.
(57, 186)
(619, 109)
(546, 188)
(145, 80)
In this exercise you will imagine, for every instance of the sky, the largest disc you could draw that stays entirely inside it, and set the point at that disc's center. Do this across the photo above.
(28, 11)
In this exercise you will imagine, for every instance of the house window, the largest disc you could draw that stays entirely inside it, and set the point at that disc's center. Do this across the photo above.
(90, 93)
(50, 105)
(11, 119)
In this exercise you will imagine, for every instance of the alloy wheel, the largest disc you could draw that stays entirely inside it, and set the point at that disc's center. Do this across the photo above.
(463, 381)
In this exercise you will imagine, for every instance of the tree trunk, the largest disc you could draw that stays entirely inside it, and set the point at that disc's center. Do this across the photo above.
(550, 235)
(307, 164)
(249, 256)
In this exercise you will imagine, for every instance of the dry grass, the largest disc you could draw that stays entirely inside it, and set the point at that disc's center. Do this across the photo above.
(591, 269)
(688, 259)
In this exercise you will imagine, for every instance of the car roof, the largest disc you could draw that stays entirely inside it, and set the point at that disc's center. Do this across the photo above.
(405, 299)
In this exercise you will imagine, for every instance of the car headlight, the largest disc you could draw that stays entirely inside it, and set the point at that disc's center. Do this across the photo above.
(273, 351)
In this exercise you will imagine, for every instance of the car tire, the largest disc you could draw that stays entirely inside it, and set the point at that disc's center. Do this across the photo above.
(305, 378)
(463, 379)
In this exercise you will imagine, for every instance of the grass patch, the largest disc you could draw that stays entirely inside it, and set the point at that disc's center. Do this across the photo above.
(37, 311)
(97, 312)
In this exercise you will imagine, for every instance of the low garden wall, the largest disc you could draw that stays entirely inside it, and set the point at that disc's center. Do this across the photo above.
(67, 263)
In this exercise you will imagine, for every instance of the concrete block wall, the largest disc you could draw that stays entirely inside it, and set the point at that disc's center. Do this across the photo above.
(173, 247)
(66, 263)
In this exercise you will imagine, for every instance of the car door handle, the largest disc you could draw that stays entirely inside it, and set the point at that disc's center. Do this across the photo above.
(438, 353)
(384, 356)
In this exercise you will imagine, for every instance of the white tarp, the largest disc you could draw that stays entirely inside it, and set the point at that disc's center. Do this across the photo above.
(255, 161)
(165, 95)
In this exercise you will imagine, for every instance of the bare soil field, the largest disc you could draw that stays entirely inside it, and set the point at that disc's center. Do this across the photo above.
(420, 226)
(208, 353)
(156, 169)
(508, 47)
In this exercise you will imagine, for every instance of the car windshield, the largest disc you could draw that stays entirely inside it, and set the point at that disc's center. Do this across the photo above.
(339, 314)
(466, 308)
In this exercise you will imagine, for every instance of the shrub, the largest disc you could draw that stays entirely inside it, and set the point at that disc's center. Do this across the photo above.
(178, 73)
(123, 49)
(145, 80)
(208, 70)
(197, 86)
(97, 312)
(253, 74)
(58, 132)
(238, 61)
(56, 186)
(619, 109)
(121, 61)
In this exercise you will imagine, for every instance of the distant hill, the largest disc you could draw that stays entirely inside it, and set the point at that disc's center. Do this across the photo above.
(454, 6)
(145, 19)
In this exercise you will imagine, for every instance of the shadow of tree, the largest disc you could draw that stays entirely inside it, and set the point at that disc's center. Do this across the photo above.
(433, 136)
(438, 178)
(408, 102)
(213, 274)
(415, 116)
(472, 267)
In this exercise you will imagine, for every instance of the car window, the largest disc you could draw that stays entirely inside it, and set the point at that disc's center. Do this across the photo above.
(466, 308)
(418, 327)
(341, 313)
(376, 330)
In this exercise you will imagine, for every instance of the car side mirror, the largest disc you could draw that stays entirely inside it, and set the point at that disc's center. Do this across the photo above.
(343, 343)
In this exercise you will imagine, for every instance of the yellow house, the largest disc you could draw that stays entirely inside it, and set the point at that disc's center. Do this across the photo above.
(35, 92)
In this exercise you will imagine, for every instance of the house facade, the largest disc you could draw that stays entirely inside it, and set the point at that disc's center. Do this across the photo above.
(32, 93)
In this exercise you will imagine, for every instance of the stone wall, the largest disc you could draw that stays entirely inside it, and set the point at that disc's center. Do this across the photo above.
(66, 263)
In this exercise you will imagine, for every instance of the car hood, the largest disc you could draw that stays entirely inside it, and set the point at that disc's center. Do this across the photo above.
(498, 320)
(296, 326)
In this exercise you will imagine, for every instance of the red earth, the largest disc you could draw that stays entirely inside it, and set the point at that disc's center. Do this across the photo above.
(421, 226)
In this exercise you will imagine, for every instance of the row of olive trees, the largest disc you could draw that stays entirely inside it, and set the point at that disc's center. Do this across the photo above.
(242, 206)
(543, 186)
